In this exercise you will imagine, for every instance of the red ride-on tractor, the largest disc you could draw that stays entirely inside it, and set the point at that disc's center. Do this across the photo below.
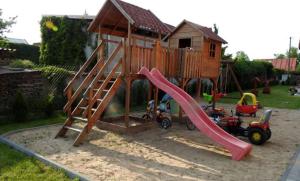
(258, 132)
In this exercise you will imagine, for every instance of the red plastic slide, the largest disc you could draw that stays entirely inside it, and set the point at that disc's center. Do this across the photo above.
(238, 148)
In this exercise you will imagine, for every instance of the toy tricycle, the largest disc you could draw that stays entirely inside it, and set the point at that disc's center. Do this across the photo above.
(258, 132)
(161, 118)
(243, 107)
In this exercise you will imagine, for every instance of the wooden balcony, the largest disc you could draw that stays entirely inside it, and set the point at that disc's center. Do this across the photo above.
(182, 63)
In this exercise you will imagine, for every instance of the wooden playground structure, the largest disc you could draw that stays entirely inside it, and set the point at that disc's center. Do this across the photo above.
(126, 44)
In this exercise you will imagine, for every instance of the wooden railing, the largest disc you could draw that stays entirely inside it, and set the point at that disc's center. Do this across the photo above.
(186, 63)
(141, 56)
(84, 84)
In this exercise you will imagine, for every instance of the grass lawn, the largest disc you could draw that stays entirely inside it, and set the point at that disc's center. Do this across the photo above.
(279, 98)
(5, 127)
(17, 166)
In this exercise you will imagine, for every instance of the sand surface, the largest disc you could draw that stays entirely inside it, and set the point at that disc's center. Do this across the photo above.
(174, 154)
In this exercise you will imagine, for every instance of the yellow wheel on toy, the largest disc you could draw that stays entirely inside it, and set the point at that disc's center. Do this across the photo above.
(257, 136)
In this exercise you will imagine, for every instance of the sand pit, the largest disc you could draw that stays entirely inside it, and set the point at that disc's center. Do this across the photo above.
(174, 154)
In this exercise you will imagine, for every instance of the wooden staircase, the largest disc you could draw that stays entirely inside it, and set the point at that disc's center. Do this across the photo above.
(95, 92)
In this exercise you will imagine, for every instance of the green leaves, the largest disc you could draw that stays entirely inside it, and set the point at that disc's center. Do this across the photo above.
(241, 56)
(63, 41)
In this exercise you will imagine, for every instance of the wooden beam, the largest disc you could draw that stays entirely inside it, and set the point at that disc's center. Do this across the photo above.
(198, 89)
(127, 100)
(155, 103)
(116, 25)
(150, 89)
(128, 58)
(236, 81)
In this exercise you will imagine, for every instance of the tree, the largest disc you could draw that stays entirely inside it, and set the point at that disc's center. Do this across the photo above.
(223, 55)
(4, 28)
(279, 56)
(5, 24)
(216, 29)
(241, 56)
(293, 53)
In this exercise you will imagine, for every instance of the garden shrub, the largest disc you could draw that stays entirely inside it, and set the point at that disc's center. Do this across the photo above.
(49, 105)
(246, 71)
(22, 64)
(24, 51)
(65, 44)
(19, 108)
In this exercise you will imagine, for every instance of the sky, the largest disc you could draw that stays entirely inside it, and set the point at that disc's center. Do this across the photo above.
(258, 27)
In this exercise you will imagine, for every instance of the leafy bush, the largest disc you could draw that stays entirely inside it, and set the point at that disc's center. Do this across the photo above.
(24, 51)
(49, 105)
(22, 64)
(19, 108)
(65, 44)
(247, 70)
(52, 73)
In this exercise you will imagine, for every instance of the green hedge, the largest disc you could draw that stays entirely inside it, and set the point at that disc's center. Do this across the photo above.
(24, 51)
(247, 70)
(64, 43)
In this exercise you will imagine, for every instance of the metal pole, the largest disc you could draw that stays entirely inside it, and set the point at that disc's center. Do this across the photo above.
(289, 60)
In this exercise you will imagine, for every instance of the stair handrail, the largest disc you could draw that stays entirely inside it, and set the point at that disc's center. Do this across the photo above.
(72, 98)
(100, 73)
(101, 88)
(83, 67)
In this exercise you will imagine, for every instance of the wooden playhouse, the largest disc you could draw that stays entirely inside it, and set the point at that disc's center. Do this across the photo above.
(130, 38)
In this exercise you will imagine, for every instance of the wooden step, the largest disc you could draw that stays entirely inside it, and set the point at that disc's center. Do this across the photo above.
(80, 118)
(98, 100)
(73, 129)
(84, 108)
(110, 82)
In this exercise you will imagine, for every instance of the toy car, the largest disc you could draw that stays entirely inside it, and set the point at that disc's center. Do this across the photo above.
(258, 132)
(244, 107)
(163, 108)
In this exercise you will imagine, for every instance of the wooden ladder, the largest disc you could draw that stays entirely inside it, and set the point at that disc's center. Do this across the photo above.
(99, 90)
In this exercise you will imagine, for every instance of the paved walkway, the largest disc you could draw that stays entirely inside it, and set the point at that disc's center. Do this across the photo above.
(293, 171)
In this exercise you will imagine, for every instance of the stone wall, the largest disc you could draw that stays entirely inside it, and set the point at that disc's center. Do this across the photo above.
(29, 82)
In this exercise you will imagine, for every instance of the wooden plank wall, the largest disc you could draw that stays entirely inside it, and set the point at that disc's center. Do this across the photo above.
(174, 62)
(186, 31)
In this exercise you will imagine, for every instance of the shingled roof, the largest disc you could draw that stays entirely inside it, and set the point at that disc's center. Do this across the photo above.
(207, 32)
(138, 17)
(143, 18)
(282, 64)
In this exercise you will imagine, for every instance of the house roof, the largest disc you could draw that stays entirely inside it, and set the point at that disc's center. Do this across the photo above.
(137, 16)
(283, 64)
(17, 40)
(208, 33)
(84, 16)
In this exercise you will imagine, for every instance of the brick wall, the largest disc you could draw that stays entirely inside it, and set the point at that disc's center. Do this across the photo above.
(30, 83)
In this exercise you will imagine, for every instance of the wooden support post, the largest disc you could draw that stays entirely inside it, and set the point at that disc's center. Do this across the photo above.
(214, 93)
(127, 100)
(101, 49)
(182, 86)
(69, 97)
(150, 89)
(236, 81)
(158, 62)
(198, 89)
(128, 54)
(155, 103)
(89, 107)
